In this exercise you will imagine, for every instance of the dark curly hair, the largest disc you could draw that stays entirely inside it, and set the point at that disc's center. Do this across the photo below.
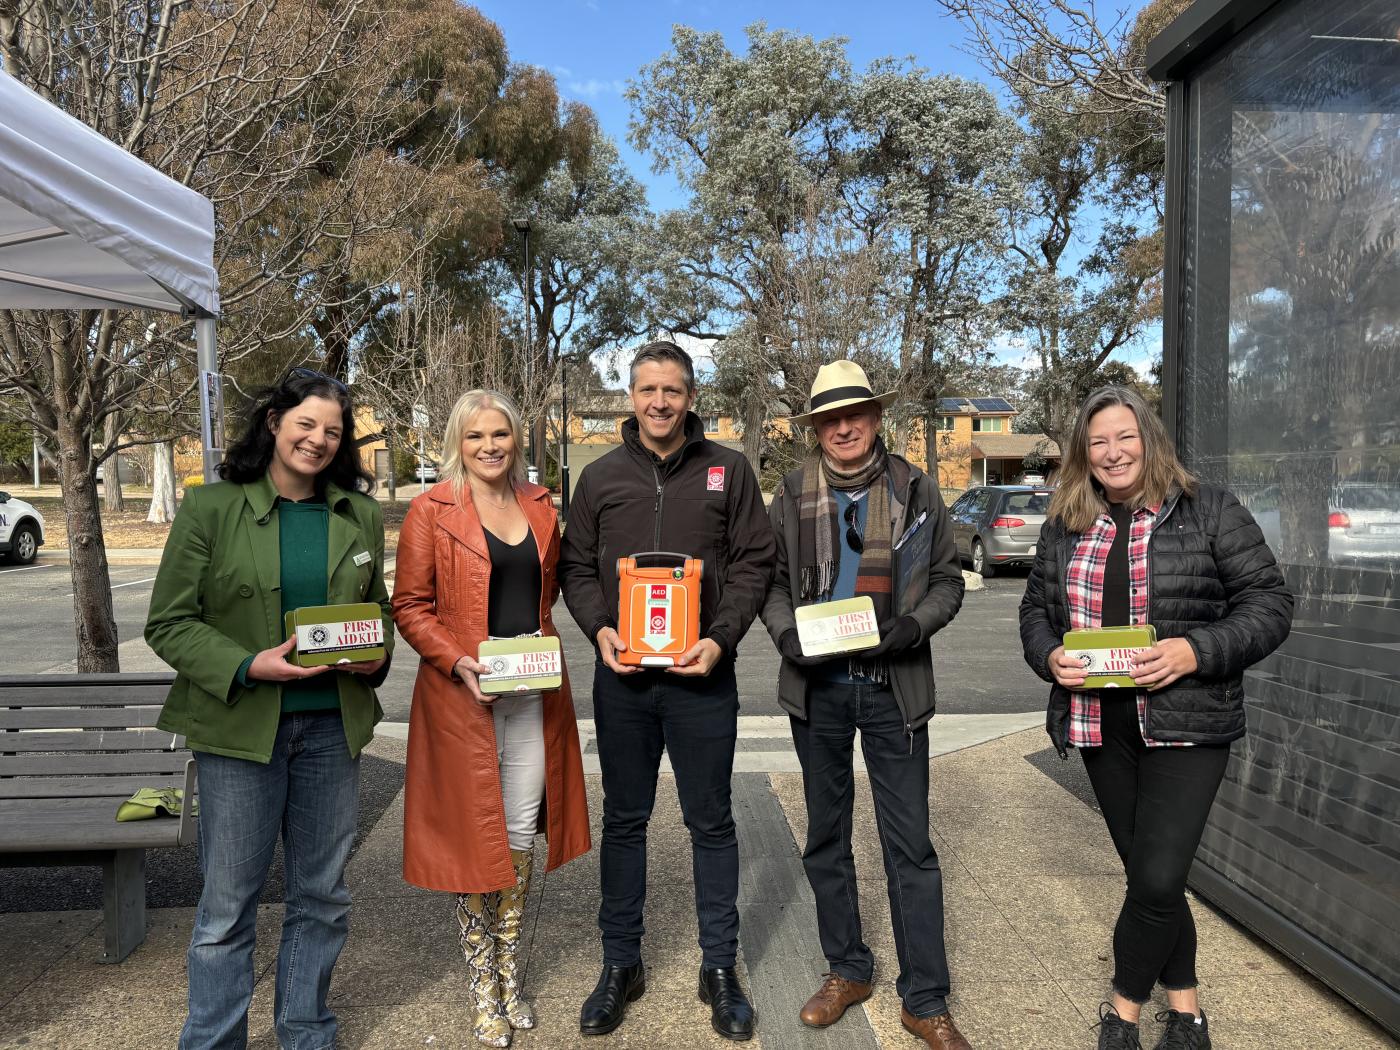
(248, 458)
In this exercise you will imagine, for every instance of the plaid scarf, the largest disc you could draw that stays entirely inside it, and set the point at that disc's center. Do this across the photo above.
(821, 531)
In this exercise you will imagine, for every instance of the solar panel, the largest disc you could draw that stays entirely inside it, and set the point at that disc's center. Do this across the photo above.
(949, 405)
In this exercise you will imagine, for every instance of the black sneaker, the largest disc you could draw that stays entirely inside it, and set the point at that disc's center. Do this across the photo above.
(1182, 1032)
(1114, 1032)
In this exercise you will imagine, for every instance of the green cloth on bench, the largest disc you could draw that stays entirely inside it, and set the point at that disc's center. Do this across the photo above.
(155, 802)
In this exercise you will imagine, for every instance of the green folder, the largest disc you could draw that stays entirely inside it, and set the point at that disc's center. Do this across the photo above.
(1107, 653)
(521, 665)
(336, 634)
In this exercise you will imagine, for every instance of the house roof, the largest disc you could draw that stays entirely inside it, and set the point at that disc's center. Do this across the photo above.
(952, 406)
(1013, 446)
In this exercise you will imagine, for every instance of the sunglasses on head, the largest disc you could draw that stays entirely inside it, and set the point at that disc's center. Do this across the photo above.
(311, 373)
(853, 537)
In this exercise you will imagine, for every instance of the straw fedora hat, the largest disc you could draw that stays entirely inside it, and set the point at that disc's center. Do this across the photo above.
(840, 384)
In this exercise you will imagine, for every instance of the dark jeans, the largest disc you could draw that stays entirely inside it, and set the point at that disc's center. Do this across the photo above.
(898, 770)
(696, 720)
(1155, 801)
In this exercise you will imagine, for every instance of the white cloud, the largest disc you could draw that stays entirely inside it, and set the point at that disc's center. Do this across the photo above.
(593, 87)
(562, 71)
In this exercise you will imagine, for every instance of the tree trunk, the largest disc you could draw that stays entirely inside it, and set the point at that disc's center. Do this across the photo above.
(93, 620)
(392, 480)
(111, 474)
(163, 486)
(754, 414)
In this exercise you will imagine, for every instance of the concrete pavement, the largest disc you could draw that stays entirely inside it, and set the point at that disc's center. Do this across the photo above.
(1032, 887)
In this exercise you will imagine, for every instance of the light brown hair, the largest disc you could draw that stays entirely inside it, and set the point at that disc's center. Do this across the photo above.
(1078, 499)
(467, 408)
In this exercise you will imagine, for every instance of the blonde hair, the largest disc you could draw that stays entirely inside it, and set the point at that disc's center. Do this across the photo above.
(1078, 499)
(468, 407)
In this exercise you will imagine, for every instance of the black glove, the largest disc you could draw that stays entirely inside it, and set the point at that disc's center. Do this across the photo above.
(791, 649)
(897, 635)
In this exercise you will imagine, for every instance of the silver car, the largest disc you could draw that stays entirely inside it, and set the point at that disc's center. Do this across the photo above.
(1363, 520)
(996, 525)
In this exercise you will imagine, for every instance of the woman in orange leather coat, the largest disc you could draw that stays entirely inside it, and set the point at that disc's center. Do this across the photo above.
(476, 559)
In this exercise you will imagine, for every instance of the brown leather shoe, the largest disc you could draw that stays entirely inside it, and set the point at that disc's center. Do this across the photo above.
(832, 999)
(938, 1032)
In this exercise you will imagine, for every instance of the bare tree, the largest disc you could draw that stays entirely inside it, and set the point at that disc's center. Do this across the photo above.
(250, 103)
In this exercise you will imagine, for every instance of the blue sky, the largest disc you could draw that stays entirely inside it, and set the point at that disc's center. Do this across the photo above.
(593, 47)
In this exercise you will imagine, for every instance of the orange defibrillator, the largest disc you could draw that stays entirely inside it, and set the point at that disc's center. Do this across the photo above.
(659, 618)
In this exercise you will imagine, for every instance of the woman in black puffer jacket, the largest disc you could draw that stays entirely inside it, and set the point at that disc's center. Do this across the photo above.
(1133, 538)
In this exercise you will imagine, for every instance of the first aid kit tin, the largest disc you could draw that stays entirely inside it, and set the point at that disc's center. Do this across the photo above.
(336, 634)
(1107, 653)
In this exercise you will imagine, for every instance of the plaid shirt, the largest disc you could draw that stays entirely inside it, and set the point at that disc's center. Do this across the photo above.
(1084, 589)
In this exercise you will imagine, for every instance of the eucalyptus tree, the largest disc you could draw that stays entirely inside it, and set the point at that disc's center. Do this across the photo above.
(937, 161)
(587, 216)
(754, 139)
(1085, 278)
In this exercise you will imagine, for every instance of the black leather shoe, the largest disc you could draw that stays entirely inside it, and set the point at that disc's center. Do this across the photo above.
(605, 1009)
(730, 1013)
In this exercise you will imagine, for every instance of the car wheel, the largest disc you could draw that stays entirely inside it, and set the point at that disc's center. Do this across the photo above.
(24, 544)
(979, 560)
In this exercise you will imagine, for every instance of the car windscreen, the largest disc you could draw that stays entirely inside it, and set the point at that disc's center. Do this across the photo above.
(1026, 503)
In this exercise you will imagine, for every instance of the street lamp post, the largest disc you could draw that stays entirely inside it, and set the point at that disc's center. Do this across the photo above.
(522, 227)
(564, 437)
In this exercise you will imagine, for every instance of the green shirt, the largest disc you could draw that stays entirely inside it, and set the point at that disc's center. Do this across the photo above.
(304, 552)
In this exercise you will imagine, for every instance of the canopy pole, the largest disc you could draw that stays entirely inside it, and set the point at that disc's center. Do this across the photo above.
(211, 400)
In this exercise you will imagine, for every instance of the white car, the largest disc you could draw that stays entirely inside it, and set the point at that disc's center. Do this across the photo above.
(21, 530)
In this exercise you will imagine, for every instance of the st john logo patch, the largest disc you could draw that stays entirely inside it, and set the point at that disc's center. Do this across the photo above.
(714, 481)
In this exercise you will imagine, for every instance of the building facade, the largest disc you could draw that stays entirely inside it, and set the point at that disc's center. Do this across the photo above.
(1282, 382)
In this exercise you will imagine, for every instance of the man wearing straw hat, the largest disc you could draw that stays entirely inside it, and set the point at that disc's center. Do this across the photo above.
(857, 521)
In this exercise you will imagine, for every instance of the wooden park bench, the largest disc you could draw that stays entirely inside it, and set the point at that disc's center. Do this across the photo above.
(72, 749)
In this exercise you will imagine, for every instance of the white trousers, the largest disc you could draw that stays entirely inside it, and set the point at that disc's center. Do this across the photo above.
(520, 758)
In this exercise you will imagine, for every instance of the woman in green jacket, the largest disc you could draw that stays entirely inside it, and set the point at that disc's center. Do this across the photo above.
(276, 745)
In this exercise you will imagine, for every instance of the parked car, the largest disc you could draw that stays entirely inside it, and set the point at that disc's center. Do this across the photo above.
(21, 530)
(427, 472)
(996, 525)
(1363, 520)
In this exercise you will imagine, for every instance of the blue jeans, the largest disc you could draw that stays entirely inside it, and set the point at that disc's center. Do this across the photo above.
(308, 794)
(696, 720)
(899, 779)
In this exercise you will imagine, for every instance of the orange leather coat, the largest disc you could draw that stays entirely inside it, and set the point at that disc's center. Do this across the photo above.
(454, 821)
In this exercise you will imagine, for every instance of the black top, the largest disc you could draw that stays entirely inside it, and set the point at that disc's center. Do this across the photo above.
(513, 604)
(1116, 607)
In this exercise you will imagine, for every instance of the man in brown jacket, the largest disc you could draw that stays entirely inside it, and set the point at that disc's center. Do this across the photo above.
(667, 489)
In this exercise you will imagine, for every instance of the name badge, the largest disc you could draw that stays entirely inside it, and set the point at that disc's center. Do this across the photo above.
(362, 557)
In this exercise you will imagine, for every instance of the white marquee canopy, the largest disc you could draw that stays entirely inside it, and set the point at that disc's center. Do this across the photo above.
(84, 223)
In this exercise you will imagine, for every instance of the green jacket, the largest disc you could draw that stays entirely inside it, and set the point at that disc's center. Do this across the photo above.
(216, 602)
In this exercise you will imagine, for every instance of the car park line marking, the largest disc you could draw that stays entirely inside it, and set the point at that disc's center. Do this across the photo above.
(25, 568)
(118, 586)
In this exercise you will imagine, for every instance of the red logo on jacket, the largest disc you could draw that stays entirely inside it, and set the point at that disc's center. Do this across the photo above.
(714, 481)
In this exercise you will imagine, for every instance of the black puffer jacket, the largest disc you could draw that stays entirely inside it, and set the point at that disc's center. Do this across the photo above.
(1211, 580)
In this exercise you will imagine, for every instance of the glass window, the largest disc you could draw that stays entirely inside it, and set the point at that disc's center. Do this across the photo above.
(711, 424)
(988, 424)
(946, 423)
(1289, 382)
